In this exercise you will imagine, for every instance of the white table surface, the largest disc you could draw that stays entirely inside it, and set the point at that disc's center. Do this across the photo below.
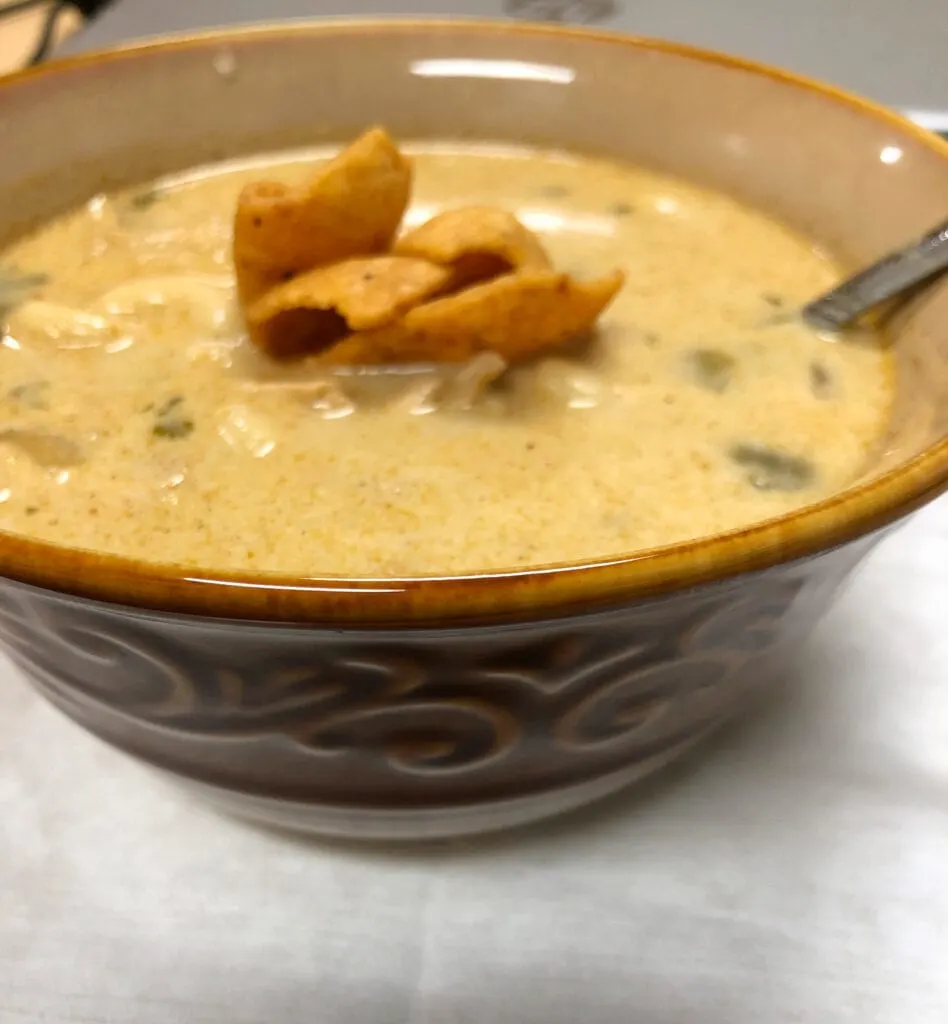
(794, 873)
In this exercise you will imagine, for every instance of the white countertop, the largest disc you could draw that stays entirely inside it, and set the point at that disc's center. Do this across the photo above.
(794, 873)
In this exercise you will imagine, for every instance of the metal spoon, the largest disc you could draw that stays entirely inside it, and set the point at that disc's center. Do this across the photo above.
(890, 277)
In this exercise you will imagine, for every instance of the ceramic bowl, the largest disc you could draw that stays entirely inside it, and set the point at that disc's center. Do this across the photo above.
(431, 707)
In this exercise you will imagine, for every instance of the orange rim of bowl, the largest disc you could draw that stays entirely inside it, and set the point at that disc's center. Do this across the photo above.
(537, 592)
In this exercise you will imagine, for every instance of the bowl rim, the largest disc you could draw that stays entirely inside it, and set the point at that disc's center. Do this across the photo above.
(492, 597)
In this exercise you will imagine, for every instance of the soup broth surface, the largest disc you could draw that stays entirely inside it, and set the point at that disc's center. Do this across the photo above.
(136, 418)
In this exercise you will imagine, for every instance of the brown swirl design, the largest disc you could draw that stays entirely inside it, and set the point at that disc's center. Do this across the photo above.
(384, 706)
(426, 706)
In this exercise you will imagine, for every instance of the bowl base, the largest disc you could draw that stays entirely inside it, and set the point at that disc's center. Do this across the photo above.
(421, 824)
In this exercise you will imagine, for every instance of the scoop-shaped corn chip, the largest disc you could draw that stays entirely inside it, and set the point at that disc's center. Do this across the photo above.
(316, 309)
(516, 316)
(351, 207)
(477, 242)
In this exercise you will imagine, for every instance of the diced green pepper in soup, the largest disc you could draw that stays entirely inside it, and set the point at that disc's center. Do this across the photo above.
(771, 470)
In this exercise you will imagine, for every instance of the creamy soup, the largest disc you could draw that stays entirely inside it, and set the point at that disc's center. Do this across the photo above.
(137, 419)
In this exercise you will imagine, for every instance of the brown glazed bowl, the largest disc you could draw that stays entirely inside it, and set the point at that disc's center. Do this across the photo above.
(423, 707)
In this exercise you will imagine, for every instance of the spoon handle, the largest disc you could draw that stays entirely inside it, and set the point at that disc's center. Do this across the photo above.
(891, 276)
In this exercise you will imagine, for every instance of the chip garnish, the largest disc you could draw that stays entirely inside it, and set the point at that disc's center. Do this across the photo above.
(477, 242)
(318, 308)
(516, 315)
(352, 206)
(322, 273)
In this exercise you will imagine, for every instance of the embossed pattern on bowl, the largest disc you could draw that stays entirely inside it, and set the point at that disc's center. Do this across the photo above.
(404, 733)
